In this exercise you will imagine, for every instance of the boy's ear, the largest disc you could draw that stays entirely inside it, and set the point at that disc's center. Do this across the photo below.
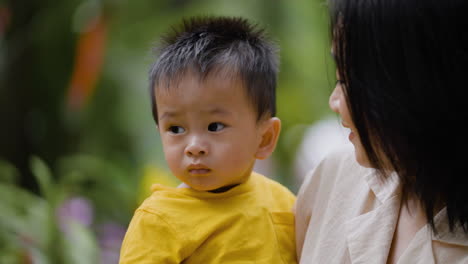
(270, 132)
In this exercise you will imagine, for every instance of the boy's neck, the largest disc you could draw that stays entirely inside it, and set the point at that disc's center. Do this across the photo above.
(224, 188)
(219, 190)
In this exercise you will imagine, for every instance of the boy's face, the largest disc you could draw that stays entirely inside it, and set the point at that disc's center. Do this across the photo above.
(209, 131)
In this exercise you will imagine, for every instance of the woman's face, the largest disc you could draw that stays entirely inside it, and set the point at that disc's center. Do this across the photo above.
(339, 105)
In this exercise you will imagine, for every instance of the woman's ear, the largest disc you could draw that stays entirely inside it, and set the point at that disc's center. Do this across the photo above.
(270, 130)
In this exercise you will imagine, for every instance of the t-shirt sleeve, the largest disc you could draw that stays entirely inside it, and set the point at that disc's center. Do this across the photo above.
(150, 239)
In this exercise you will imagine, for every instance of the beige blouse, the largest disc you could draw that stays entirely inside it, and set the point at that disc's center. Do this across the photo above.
(346, 214)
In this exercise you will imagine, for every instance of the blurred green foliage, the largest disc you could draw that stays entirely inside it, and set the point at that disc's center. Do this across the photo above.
(29, 229)
(100, 150)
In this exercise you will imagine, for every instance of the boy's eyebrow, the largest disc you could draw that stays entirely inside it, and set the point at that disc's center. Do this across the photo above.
(219, 111)
(168, 114)
(212, 111)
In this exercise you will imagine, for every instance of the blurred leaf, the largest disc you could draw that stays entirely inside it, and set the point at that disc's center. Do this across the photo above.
(14, 204)
(10, 257)
(9, 249)
(81, 169)
(8, 173)
(43, 176)
(29, 221)
(38, 257)
(80, 245)
(96, 178)
(25, 215)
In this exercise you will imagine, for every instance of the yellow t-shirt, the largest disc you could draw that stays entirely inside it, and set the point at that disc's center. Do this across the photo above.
(250, 223)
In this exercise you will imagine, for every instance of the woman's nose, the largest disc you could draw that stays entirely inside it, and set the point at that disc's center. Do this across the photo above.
(334, 100)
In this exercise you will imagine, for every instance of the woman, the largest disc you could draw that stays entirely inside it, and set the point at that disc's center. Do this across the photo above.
(402, 195)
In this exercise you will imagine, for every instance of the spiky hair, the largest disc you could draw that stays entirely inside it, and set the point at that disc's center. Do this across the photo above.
(205, 45)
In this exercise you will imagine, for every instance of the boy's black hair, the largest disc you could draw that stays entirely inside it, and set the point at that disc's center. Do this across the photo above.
(403, 66)
(209, 45)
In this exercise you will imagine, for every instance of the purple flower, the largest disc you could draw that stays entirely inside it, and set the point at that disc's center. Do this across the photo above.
(110, 239)
(78, 209)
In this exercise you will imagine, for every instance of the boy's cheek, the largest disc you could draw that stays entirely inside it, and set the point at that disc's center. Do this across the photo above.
(173, 156)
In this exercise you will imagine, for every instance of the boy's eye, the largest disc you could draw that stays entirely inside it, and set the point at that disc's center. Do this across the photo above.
(176, 129)
(216, 126)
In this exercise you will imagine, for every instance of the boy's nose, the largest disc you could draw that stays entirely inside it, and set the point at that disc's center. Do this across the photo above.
(196, 148)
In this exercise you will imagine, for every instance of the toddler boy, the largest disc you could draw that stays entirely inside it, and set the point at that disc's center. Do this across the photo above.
(213, 99)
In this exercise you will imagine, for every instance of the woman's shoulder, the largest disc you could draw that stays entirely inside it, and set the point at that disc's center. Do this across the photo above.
(338, 173)
(342, 158)
(340, 164)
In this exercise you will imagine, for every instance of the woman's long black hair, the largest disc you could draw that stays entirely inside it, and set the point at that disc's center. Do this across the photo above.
(403, 64)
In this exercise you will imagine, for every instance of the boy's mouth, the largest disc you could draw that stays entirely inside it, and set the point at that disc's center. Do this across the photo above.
(198, 169)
